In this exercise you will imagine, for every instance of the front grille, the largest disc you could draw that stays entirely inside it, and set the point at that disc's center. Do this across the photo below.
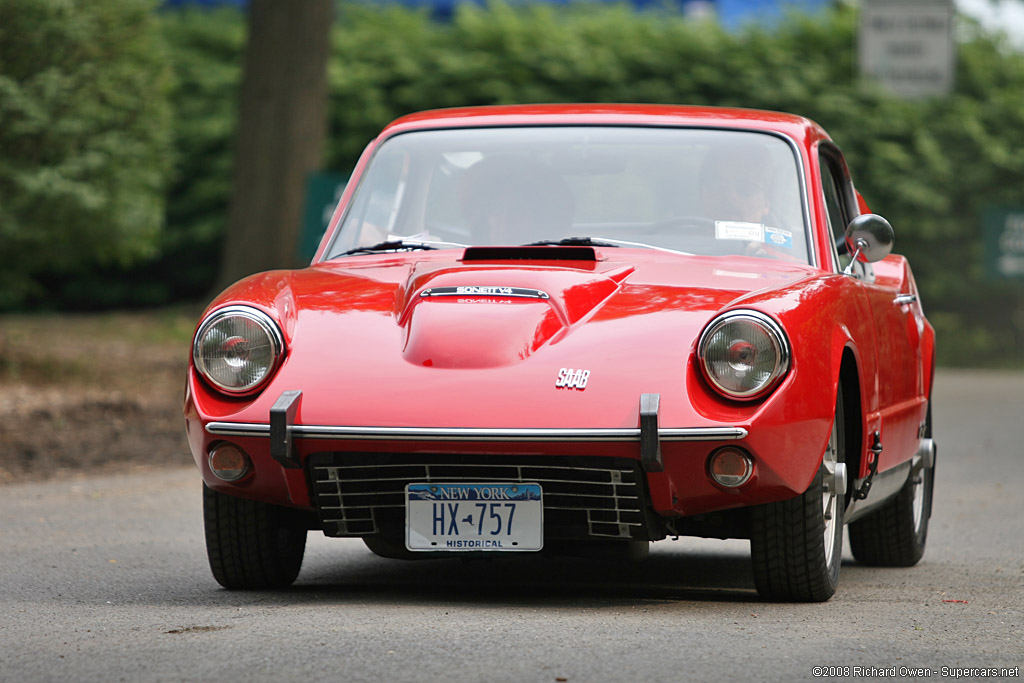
(363, 494)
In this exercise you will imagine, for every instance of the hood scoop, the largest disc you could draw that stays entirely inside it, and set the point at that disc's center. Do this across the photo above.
(497, 315)
(538, 253)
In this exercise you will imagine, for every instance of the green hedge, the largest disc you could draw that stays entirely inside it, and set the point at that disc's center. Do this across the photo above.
(84, 139)
(929, 166)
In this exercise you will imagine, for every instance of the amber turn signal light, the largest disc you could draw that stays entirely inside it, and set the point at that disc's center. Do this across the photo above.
(229, 462)
(731, 466)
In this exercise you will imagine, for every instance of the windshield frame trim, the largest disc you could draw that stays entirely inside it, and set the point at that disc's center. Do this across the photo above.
(805, 205)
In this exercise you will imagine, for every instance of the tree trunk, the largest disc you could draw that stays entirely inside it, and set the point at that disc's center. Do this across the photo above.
(282, 125)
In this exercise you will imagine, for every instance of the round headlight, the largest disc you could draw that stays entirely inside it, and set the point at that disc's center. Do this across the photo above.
(237, 349)
(743, 354)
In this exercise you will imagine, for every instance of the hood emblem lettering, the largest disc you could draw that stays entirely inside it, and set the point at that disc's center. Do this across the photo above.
(572, 379)
(485, 291)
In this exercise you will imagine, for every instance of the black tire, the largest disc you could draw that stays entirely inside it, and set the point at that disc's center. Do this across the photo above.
(896, 533)
(252, 545)
(795, 547)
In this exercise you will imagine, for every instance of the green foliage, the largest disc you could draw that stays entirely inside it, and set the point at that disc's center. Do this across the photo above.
(84, 121)
(206, 49)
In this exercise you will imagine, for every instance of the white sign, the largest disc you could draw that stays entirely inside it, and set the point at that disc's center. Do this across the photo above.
(907, 45)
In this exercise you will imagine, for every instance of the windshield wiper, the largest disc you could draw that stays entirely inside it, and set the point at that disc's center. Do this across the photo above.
(399, 245)
(600, 242)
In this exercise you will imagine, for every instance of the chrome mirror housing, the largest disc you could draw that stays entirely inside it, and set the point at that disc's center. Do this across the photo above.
(869, 238)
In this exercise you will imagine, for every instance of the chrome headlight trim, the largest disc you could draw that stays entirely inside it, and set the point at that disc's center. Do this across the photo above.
(775, 336)
(265, 324)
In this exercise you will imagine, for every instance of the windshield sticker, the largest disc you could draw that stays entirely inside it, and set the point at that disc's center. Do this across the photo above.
(778, 237)
(738, 230)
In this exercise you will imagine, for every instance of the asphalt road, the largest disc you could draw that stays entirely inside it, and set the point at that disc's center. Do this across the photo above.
(105, 579)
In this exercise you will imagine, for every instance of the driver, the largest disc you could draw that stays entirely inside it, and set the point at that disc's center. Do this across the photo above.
(734, 184)
(735, 191)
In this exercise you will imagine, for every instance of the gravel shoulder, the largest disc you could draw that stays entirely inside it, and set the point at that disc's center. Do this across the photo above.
(92, 394)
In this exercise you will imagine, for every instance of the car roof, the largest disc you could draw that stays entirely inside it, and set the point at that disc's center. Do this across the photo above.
(800, 129)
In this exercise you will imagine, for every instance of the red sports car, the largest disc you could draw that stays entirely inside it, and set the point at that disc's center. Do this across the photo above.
(576, 328)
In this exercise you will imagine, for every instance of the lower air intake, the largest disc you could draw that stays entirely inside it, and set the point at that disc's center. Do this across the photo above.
(363, 494)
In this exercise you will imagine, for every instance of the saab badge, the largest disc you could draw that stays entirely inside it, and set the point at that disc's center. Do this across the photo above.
(572, 379)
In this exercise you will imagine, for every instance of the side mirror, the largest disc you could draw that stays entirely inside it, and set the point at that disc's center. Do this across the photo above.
(869, 238)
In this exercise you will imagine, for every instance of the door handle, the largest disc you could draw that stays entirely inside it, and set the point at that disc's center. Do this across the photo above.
(905, 299)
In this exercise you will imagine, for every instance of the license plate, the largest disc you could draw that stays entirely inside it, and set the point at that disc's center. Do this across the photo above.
(460, 517)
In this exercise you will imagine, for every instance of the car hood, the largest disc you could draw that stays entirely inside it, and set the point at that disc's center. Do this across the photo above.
(492, 333)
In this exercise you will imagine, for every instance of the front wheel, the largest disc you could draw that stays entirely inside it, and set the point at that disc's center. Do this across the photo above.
(250, 544)
(796, 545)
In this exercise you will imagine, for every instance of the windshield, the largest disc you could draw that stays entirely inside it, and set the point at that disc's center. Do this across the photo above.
(710, 192)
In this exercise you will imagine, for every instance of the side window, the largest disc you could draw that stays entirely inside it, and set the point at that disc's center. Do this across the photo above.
(833, 199)
(839, 215)
(374, 216)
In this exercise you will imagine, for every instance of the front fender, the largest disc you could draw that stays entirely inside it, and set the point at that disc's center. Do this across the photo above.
(826, 319)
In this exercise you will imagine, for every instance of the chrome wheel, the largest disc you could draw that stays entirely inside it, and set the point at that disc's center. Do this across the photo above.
(917, 481)
(833, 489)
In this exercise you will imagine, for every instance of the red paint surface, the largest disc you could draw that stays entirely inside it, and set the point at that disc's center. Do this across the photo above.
(367, 350)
